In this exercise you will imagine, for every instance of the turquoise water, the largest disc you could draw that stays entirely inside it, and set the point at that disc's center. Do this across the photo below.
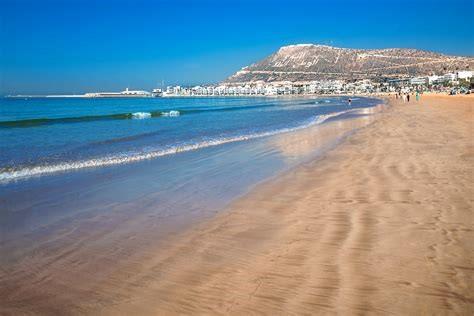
(101, 171)
(48, 135)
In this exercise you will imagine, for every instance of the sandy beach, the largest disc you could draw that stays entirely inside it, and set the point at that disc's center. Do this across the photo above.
(236, 158)
(381, 224)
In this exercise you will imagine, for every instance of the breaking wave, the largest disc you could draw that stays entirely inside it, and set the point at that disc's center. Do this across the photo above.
(120, 116)
(141, 115)
(170, 113)
(11, 174)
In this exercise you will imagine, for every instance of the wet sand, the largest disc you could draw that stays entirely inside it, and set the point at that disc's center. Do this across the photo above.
(382, 224)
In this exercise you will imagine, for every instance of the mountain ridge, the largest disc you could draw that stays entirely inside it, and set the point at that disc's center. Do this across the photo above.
(309, 62)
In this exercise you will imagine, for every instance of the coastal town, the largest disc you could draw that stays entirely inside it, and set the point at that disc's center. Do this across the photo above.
(459, 82)
(456, 82)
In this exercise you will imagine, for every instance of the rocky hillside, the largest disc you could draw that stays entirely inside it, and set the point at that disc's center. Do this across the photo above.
(305, 62)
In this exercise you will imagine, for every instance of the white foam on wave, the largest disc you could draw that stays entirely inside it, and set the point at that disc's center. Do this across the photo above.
(322, 101)
(11, 175)
(141, 115)
(170, 113)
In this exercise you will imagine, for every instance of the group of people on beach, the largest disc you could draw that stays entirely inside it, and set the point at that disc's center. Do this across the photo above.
(406, 96)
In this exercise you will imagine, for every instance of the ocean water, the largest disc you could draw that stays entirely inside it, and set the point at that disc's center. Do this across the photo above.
(41, 136)
(73, 167)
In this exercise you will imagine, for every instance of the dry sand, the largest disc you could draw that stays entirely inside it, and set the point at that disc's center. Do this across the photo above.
(383, 224)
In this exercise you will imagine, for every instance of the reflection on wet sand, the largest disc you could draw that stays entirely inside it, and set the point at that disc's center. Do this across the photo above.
(317, 139)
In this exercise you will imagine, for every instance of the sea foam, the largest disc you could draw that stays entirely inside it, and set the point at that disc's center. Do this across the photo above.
(7, 175)
(141, 115)
(170, 113)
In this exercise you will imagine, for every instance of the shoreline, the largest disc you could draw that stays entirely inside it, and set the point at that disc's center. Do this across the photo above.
(24, 172)
(333, 235)
(390, 237)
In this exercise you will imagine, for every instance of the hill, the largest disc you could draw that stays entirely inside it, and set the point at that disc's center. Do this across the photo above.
(307, 62)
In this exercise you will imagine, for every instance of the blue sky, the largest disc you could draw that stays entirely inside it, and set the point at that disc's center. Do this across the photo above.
(75, 46)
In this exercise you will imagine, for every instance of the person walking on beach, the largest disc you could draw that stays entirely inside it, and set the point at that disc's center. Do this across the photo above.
(403, 97)
(408, 97)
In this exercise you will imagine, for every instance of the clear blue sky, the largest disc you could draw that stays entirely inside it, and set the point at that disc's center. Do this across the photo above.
(74, 46)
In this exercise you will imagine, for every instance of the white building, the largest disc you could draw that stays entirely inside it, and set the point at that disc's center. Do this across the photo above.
(465, 74)
(433, 79)
(449, 77)
(123, 94)
(128, 92)
(419, 80)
